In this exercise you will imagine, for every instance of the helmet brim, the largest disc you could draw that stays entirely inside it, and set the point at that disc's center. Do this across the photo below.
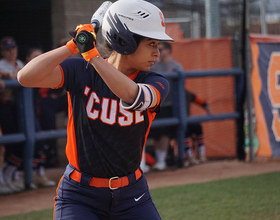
(156, 36)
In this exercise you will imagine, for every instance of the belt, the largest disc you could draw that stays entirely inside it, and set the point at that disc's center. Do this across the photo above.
(112, 183)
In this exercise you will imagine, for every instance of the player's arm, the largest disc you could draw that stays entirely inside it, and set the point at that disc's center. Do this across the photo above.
(152, 92)
(121, 85)
(134, 96)
(200, 101)
(43, 70)
(208, 110)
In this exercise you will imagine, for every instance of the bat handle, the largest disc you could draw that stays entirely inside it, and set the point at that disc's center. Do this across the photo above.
(96, 24)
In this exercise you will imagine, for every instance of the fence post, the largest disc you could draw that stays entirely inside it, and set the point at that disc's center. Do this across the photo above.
(248, 68)
(181, 114)
(239, 107)
(29, 125)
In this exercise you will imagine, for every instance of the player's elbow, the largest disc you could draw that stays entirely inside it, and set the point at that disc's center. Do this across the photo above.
(20, 78)
(23, 78)
(144, 99)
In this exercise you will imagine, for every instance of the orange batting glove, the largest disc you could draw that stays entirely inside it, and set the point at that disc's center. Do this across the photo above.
(86, 42)
(71, 44)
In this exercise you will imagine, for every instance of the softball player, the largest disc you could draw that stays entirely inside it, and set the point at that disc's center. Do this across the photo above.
(112, 103)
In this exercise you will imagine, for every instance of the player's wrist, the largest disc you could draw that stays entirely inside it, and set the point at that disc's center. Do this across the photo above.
(72, 46)
(205, 105)
(93, 53)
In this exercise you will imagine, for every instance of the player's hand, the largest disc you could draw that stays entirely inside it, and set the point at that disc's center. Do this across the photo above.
(86, 42)
(71, 44)
(209, 112)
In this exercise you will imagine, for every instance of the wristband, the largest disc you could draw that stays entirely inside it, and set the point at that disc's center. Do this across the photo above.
(90, 54)
(72, 46)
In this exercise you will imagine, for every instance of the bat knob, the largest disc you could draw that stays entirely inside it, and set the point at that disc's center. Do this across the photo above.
(82, 37)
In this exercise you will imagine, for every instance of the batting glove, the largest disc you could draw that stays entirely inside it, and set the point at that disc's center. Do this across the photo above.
(86, 42)
(71, 44)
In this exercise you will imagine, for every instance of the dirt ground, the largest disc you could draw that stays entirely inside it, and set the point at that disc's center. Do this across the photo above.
(213, 170)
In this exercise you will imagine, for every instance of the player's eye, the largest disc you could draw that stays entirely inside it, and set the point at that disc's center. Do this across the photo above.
(153, 43)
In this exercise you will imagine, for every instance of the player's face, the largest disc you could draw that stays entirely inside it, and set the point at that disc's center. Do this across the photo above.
(145, 55)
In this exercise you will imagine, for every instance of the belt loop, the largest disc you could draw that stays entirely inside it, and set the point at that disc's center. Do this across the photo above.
(69, 169)
(85, 179)
(132, 177)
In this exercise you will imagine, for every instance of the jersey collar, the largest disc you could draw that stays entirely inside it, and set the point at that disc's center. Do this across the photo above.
(132, 76)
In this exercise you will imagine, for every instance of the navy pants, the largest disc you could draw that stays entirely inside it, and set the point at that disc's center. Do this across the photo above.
(79, 201)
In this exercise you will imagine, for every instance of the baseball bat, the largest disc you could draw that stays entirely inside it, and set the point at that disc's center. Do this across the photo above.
(97, 17)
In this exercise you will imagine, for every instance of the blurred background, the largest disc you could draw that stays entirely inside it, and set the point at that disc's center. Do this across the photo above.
(209, 35)
(45, 22)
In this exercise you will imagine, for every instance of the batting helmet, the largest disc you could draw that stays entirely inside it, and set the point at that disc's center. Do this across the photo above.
(125, 19)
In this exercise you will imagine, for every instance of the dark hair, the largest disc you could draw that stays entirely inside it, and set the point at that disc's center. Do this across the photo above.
(106, 49)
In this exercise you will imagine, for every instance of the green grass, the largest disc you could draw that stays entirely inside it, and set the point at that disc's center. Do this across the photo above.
(244, 198)
(254, 197)
(46, 214)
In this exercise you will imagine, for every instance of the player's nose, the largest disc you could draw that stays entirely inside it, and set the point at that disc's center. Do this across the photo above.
(156, 52)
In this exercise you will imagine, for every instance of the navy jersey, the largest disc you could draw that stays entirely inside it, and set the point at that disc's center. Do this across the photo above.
(103, 139)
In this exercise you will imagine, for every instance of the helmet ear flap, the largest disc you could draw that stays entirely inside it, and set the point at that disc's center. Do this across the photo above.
(132, 44)
(119, 36)
(128, 46)
(123, 44)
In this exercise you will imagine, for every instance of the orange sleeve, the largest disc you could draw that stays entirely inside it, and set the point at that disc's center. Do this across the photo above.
(200, 101)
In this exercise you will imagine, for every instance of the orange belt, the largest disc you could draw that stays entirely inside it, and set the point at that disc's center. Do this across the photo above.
(112, 183)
